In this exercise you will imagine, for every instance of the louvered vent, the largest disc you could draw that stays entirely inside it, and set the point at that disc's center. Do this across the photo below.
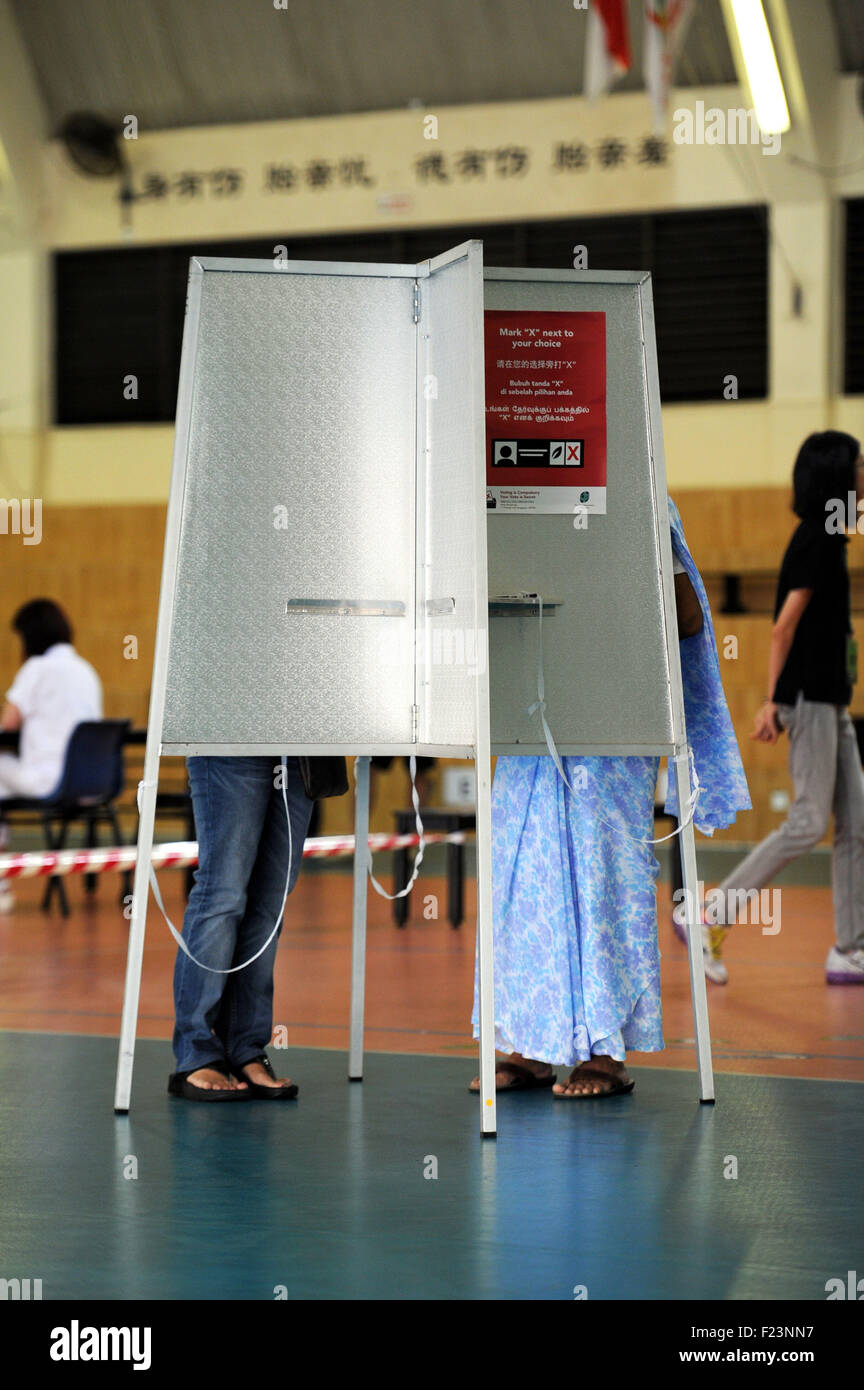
(120, 312)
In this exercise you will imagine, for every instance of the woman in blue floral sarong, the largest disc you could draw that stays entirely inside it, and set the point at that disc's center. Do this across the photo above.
(577, 963)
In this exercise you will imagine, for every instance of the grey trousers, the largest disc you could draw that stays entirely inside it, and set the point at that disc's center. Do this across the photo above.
(826, 770)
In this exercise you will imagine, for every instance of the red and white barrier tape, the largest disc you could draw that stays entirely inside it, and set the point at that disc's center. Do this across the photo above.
(180, 855)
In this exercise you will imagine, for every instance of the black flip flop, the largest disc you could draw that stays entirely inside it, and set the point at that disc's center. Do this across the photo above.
(620, 1088)
(524, 1079)
(178, 1085)
(258, 1092)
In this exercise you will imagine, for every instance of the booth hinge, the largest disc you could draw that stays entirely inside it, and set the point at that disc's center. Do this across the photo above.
(415, 719)
(416, 301)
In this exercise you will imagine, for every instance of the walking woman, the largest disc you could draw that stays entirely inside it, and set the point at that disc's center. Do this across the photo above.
(577, 964)
(811, 670)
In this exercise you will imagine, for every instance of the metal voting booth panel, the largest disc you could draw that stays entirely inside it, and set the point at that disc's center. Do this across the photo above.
(606, 652)
(326, 537)
(314, 555)
(611, 659)
(320, 402)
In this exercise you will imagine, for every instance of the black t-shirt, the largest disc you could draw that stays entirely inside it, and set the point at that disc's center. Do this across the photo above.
(817, 662)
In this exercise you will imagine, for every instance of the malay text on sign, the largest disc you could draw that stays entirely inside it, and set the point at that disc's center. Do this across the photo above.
(545, 411)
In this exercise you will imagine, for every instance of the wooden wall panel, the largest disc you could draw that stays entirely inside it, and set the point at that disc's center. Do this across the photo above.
(103, 564)
(743, 531)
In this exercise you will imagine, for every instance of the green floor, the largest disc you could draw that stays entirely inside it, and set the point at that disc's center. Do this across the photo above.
(328, 1197)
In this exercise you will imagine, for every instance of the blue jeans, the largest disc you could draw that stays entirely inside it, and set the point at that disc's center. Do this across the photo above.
(239, 886)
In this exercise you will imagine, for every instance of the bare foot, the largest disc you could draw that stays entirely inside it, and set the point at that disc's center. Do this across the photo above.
(255, 1073)
(506, 1073)
(593, 1085)
(208, 1079)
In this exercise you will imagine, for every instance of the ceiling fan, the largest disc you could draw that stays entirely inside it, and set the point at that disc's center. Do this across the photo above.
(93, 144)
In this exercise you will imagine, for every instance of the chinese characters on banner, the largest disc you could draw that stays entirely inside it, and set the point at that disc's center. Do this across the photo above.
(545, 411)
(565, 158)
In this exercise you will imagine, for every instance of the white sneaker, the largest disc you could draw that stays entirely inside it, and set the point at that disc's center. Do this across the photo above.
(7, 900)
(843, 969)
(713, 939)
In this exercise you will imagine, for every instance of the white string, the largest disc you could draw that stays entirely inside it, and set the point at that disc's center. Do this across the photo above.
(540, 704)
(695, 791)
(173, 930)
(412, 763)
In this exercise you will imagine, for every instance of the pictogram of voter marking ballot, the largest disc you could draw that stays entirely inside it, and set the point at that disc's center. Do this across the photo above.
(538, 453)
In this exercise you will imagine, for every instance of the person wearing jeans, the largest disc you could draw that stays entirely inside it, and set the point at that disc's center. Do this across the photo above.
(811, 672)
(224, 1021)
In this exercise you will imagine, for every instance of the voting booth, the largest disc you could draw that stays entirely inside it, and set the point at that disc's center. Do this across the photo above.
(384, 478)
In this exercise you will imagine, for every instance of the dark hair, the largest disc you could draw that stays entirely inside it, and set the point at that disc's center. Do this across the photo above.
(40, 624)
(824, 470)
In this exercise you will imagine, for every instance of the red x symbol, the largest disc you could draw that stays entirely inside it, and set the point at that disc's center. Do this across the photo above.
(572, 451)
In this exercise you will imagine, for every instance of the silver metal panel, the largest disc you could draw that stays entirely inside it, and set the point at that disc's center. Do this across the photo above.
(150, 780)
(242, 266)
(552, 276)
(196, 747)
(449, 648)
(299, 484)
(606, 651)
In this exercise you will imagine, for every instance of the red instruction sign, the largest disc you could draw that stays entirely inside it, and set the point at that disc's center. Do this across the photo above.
(545, 411)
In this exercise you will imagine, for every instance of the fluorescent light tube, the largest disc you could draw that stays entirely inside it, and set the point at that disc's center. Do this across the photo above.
(760, 63)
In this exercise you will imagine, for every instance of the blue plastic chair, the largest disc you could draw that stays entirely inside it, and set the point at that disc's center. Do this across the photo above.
(91, 781)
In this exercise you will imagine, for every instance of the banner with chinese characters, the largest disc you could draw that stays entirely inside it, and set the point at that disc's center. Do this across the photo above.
(462, 166)
(545, 411)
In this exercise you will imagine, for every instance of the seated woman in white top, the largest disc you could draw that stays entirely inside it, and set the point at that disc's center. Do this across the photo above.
(54, 690)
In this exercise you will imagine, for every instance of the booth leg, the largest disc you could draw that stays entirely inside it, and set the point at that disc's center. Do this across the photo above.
(137, 927)
(488, 1121)
(692, 907)
(358, 937)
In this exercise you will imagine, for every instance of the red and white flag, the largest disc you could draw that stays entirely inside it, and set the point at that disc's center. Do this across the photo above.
(665, 23)
(607, 45)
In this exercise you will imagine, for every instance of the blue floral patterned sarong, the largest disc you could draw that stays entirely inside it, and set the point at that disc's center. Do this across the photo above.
(577, 964)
